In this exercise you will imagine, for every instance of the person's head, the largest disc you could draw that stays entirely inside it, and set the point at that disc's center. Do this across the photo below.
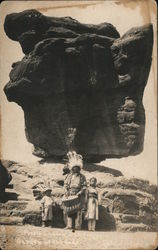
(48, 192)
(93, 182)
(66, 170)
(76, 169)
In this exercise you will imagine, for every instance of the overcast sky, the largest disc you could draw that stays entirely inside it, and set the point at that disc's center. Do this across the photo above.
(123, 15)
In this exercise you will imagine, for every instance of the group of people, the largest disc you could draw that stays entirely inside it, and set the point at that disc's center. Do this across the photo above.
(75, 185)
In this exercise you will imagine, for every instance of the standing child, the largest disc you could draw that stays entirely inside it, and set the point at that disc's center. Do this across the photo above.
(46, 206)
(92, 204)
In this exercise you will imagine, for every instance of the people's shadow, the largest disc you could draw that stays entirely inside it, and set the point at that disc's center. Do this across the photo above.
(58, 217)
(106, 221)
(91, 167)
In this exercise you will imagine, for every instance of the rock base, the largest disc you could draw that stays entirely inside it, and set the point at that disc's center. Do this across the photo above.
(126, 205)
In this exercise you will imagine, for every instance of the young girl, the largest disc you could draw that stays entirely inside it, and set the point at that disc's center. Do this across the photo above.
(46, 206)
(92, 204)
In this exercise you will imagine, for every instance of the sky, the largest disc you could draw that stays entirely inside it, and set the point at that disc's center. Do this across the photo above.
(123, 15)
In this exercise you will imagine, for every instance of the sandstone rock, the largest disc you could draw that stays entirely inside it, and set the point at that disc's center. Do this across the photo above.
(129, 201)
(148, 219)
(132, 184)
(80, 86)
(124, 204)
(5, 178)
(11, 221)
(127, 227)
(129, 218)
(30, 26)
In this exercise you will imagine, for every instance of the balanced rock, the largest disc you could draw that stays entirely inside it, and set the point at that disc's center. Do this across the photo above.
(80, 86)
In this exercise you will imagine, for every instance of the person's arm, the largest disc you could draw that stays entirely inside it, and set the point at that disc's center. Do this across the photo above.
(53, 202)
(66, 185)
(86, 195)
(97, 194)
(83, 184)
(42, 204)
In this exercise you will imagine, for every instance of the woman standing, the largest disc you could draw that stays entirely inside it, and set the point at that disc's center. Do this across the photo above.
(92, 205)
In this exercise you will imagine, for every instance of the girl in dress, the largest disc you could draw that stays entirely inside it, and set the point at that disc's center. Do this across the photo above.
(92, 204)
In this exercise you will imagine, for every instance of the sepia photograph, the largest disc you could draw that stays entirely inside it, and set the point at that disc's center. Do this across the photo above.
(78, 125)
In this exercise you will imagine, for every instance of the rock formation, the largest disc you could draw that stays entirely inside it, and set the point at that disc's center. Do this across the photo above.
(80, 86)
(124, 204)
(5, 178)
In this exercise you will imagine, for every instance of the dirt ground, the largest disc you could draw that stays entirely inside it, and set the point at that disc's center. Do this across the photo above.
(33, 238)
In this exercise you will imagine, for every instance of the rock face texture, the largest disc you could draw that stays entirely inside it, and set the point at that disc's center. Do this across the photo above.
(80, 86)
(5, 178)
(124, 204)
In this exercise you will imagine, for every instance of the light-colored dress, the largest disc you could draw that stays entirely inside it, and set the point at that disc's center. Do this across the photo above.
(47, 213)
(92, 204)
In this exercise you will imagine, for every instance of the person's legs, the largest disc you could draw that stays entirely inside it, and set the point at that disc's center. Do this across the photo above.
(78, 221)
(65, 217)
(49, 223)
(45, 223)
(93, 224)
(89, 224)
(74, 216)
(69, 222)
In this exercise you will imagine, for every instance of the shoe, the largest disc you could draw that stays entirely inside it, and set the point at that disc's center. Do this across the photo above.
(67, 228)
(43, 225)
(73, 230)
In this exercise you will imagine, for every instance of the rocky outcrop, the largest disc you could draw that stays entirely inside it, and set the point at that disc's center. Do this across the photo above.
(5, 178)
(124, 204)
(80, 86)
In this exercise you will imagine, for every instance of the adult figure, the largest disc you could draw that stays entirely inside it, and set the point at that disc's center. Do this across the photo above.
(75, 184)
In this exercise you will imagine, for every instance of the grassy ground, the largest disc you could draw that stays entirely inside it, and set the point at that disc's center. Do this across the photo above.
(33, 238)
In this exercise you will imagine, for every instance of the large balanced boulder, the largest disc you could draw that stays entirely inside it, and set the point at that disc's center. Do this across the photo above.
(80, 86)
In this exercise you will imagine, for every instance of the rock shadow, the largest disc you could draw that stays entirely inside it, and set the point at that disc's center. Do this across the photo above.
(100, 168)
(7, 196)
(10, 196)
(55, 159)
(91, 167)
